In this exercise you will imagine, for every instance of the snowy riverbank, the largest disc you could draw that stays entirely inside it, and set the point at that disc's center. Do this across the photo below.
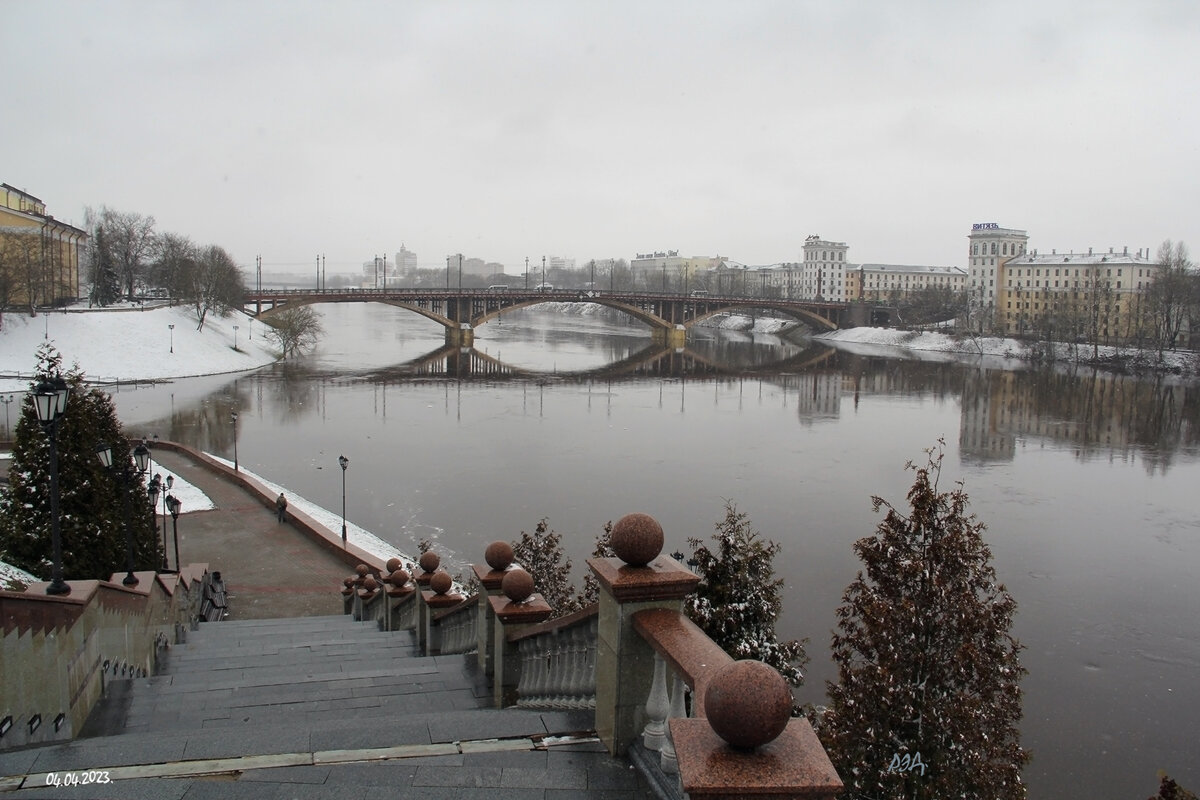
(130, 344)
(932, 345)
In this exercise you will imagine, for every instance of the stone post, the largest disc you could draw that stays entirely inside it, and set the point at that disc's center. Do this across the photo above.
(518, 608)
(499, 557)
(638, 578)
(428, 562)
(749, 745)
(436, 598)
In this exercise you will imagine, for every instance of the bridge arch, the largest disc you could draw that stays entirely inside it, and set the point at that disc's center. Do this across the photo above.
(813, 319)
(652, 320)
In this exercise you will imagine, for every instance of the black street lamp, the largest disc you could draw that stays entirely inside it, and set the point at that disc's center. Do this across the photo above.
(345, 462)
(233, 416)
(173, 505)
(50, 401)
(7, 402)
(155, 489)
(171, 328)
(166, 489)
(141, 455)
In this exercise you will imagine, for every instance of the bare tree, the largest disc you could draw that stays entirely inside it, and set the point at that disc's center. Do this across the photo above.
(213, 283)
(1171, 298)
(295, 329)
(176, 260)
(131, 242)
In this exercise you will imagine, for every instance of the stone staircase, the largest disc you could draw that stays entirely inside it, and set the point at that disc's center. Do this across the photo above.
(319, 707)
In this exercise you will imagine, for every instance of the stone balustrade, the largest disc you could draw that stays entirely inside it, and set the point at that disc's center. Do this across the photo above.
(456, 626)
(558, 662)
(636, 659)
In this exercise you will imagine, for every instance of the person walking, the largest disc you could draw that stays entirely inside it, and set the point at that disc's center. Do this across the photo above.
(281, 507)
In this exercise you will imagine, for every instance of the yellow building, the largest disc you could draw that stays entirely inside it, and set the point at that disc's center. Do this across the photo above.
(39, 255)
(1093, 296)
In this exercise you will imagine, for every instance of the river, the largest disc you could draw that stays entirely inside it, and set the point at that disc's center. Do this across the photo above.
(1087, 483)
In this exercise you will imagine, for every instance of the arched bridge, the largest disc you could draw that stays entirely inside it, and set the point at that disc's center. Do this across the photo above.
(460, 311)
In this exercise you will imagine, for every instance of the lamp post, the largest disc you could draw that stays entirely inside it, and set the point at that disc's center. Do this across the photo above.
(170, 481)
(235, 330)
(142, 455)
(7, 402)
(154, 490)
(50, 401)
(173, 505)
(233, 416)
(344, 462)
(172, 329)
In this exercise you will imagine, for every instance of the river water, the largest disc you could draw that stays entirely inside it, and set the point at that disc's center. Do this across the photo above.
(1087, 482)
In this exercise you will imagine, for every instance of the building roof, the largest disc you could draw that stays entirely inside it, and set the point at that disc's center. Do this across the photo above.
(957, 272)
(1035, 259)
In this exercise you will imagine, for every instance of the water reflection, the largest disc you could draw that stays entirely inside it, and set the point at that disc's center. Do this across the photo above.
(1096, 414)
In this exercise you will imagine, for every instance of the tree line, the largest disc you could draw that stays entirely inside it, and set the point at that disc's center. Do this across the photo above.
(127, 254)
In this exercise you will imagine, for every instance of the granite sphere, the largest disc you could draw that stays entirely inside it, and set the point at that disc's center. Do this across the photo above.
(392, 565)
(517, 585)
(429, 561)
(440, 583)
(748, 704)
(637, 539)
(399, 578)
(499, 555)
(370, 584)
(362, 570)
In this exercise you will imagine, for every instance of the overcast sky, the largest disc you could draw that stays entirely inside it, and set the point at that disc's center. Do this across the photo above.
(510, 129)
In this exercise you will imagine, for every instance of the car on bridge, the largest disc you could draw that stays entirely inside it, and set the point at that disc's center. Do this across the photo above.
(498, 287)
(544, 287)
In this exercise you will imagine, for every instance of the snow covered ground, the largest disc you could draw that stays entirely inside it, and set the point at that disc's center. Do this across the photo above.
(933, 345)
(127, 344)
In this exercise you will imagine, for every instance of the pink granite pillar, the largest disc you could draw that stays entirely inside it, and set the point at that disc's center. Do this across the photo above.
(637, 579)
(517, 609)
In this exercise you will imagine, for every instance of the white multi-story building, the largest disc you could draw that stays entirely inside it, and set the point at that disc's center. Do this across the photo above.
(823, 271)
(989, 248)
(890, 282)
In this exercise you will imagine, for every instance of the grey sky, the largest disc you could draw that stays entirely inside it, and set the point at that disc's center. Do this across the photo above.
(510, 129)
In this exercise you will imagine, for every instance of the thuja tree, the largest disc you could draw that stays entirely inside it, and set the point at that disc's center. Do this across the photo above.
(926, 662)
(738, 598)
(91, 508)
(541, 555)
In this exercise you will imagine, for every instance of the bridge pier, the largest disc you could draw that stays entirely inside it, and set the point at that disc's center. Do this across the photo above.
(461, 336)
(670, 337)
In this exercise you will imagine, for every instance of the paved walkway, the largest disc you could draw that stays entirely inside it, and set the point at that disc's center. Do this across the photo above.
(270, 569)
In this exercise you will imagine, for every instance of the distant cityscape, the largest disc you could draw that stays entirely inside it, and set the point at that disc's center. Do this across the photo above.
(1008, 288)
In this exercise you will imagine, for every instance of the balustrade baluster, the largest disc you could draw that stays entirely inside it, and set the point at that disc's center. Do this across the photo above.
(527, 649)
(559, 669)
(589, 669)
(667, 759)
(657, 708)
(575, 684)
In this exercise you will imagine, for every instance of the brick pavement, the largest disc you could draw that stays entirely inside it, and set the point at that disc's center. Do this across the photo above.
(270, 569)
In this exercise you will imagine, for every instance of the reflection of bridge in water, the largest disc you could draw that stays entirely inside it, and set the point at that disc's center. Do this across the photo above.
(669, 316)
(653, 361)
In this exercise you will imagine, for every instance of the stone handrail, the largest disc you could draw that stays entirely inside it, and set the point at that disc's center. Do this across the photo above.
(58, 651)
(686, 649)
(558, 662)
(457, 626)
